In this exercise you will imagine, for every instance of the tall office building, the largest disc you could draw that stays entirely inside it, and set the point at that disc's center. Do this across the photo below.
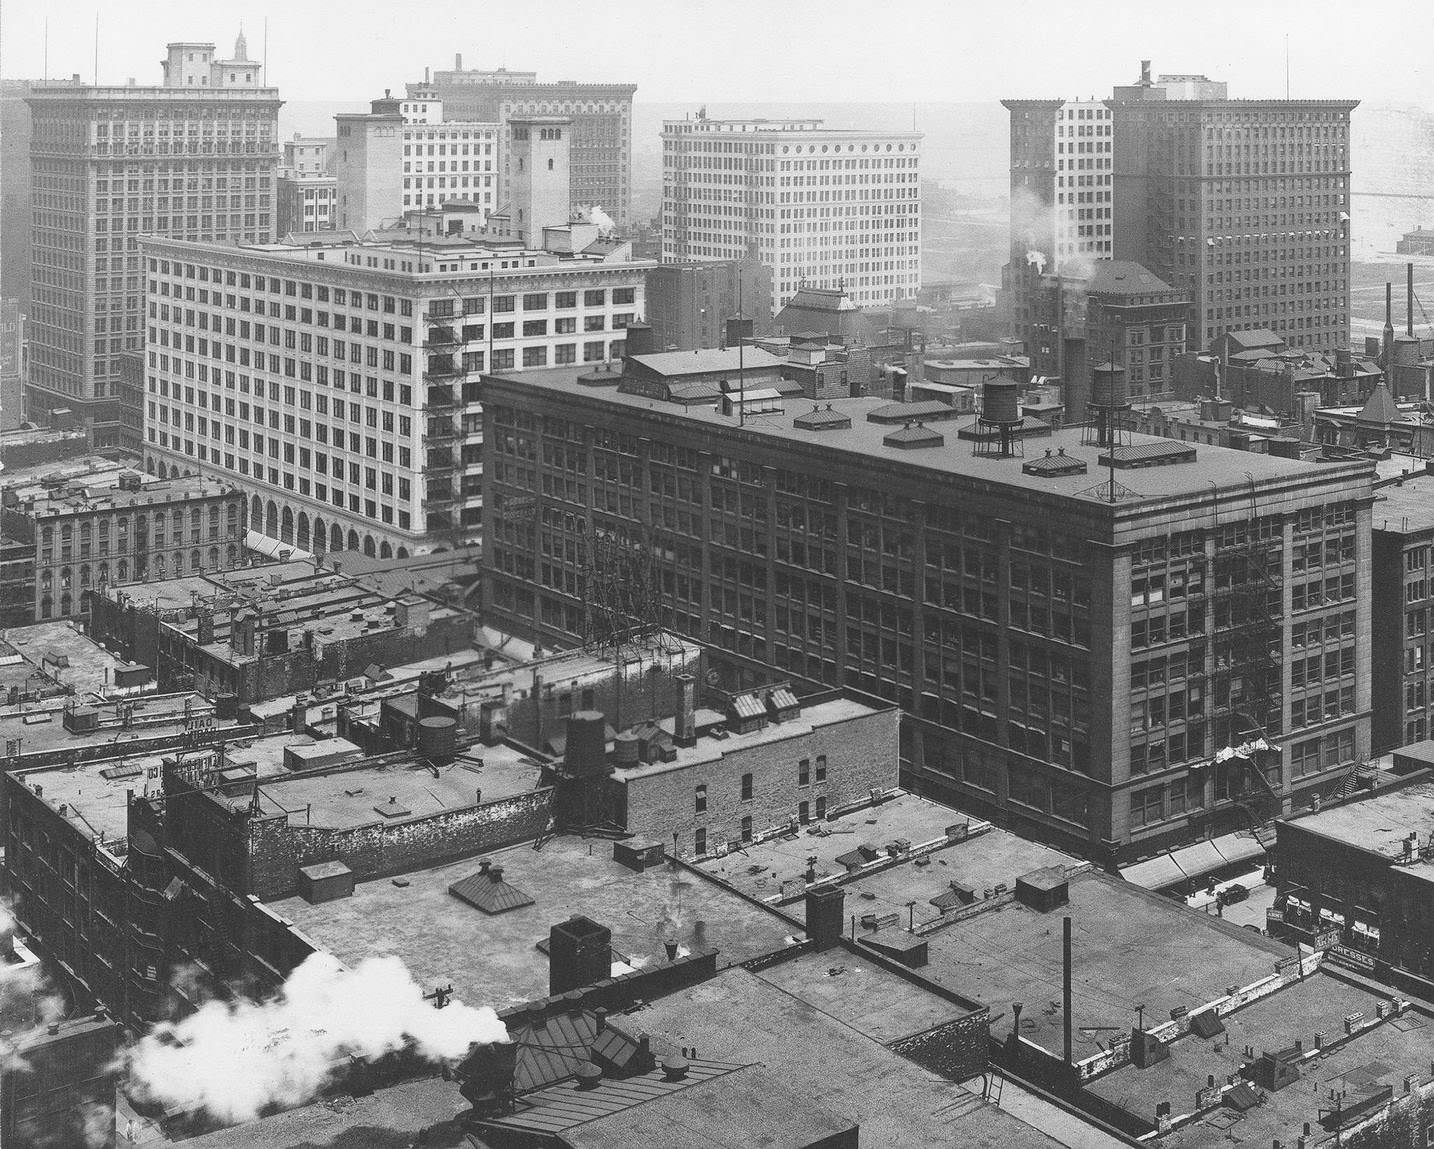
(194, 158)
(15, 191)
(1241, 204)
(822, 207)
(1060, 202)
(601, 117)
(402, 155)
(336, 382)
(1093, 640)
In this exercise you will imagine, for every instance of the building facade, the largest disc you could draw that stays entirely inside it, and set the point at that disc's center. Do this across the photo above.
(819, 206)
(84, 540)
(688, 304)
(1111, 673)
(1403, 660)
(307, 156)
(15, 209)
(337, 385)
(1243, 205)
(305, 203)
(601, 171)
(194, 159)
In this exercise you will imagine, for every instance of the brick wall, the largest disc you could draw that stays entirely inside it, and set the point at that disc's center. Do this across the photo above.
(861, 756)
(277, 849)
(957, 1050)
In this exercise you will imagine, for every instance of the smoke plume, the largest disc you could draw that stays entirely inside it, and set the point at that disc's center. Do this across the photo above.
(605, 224)
(1037, 260)
(27, 1002)
(234, 1060)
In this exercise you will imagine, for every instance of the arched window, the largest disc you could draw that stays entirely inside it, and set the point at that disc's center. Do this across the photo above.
(286, 526)
(47, 606)
(385, 551)
(213, 558)
(195, 563)
(122, 571)
(301, 536)
(67, 604)
(368, 546)
(233, 553)
(353, 540)
(256, 514)
(336, 538)
(84, 576)
(65, 575)
(320, 536)
(403, 552)
(159, 566)
(104, 574)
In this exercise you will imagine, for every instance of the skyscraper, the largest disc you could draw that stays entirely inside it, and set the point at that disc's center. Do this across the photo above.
(1241, 204)
(601, 171)
(194, 158)
(820, 206)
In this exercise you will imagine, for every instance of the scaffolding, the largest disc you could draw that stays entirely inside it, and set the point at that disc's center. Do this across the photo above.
(622, 594)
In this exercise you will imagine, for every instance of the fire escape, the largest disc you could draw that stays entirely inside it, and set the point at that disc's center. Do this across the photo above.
(443, 346)
(1245, 684)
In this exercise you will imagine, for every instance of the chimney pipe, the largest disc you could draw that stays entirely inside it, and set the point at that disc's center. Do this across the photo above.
(1388, 331)
(1066, 985)
(1409, 300)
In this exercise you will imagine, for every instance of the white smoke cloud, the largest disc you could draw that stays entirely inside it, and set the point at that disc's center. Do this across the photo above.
(605, 224)
(27, 1002)
(1037, 259)
(235, 1059)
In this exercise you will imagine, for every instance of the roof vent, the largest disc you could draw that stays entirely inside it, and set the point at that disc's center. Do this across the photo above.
(913, 437)
(1161, 453)
(822, 419)
(1053, 466)
(589, 1076)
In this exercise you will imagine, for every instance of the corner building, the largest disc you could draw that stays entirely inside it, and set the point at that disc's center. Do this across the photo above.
(821, 207)
(1072, 664)
(195, 159)
(336, 384)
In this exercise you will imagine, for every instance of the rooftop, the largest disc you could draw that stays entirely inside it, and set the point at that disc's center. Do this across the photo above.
(862, 443)
(83, 498)
(1381, 822)
(1405, 508)
(709, 749)
(351, 796)
(1124, 277)
(769, 1016)
(776, 867)
(388, 1117)
(61, 652)
(41, 725)
(1379, 1056)
(437, 935)
(708, 360)
(1131, 947)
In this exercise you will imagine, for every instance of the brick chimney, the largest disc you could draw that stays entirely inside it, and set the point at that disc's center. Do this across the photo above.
(826, 911)
(686, 725)
(579, 954)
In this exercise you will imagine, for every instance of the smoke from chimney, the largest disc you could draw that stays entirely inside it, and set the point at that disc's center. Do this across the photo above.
(604, 222)
(234, 1059)
(1037, 260)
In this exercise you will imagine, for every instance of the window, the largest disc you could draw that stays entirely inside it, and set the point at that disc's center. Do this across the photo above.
(804, 772)
(701, 803)
(821, 767)
(821, 809)
(803, 812)
(746, 788)
(1146, 806)
(747, 828)
(700, 842)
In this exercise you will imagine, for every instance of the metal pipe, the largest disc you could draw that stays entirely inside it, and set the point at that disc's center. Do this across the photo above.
(1066, 987)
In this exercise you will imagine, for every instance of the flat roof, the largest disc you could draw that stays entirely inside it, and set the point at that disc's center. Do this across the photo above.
(162, 492)
(1214, 467)
(708, 749)
(1380, 822)
(1131, 947)
(1405, 508)
(345, 797)
(495, 960)
(90, 667)
(767, 1016)
(387, 1117)
(988, 857)
(42, 726)
(1379, 1056)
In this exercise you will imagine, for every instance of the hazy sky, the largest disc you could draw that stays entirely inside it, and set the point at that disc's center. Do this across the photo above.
(817, 50)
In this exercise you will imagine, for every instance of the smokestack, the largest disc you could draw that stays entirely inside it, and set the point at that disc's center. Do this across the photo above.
(579, 954)
(1409, 300)
(1388, 330)
(686, 731)
(1066, 985)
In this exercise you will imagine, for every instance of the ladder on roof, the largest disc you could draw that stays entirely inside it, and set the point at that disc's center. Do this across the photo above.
(991, 1086)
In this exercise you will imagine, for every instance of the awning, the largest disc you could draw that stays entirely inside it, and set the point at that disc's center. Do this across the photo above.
(1193, 861)
(273, 548)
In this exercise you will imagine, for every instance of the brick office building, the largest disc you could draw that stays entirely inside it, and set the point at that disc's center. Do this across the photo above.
(1073, 662)
(1403, 586)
